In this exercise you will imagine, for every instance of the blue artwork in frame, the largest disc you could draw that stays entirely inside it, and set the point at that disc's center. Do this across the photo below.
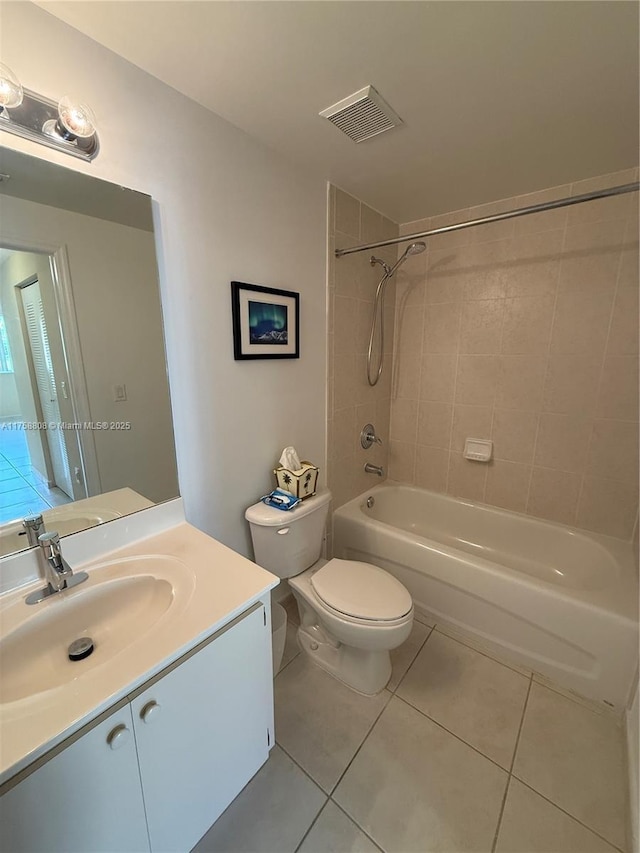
(266, 322)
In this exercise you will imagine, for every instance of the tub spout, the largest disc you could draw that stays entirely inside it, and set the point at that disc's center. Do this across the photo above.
(374, 469)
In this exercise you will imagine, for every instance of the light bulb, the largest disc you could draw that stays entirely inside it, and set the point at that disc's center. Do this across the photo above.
(11, 93)
(75, 119)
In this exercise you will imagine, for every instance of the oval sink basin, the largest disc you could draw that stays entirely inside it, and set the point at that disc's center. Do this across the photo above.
(115, 607)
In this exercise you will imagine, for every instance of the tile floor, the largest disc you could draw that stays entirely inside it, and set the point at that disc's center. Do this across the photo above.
(459, 753)
(22, 492)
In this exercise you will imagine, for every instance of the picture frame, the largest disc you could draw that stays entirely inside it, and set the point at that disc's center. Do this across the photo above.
(266, 322)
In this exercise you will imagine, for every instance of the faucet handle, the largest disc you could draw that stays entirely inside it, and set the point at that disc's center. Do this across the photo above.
(50, 543)
(368, 436)
(33, 526)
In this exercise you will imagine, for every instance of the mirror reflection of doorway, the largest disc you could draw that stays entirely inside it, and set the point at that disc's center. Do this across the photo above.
(39, 467)
(44, 387)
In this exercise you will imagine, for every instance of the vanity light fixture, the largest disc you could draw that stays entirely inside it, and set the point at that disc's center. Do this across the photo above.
(11, 92)
(68, 125)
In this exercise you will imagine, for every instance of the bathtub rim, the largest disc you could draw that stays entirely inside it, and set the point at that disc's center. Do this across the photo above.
(620, 597)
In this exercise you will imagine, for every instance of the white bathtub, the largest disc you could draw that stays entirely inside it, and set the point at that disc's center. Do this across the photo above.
(557, 600)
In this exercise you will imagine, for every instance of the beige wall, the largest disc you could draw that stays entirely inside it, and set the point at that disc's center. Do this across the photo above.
(352, 403)
(225, 208)
(525, 332)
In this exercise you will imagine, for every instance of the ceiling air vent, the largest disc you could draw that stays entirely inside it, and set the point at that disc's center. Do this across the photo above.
(362, 115)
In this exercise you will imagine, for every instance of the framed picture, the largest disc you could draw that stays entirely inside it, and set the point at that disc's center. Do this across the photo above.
(266, 322)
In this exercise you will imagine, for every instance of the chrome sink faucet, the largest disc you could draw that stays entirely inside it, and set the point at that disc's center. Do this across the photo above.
(56, 569)
(34, 526)
(57, 572)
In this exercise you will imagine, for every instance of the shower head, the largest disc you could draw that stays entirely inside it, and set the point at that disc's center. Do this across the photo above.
(416, 248)
(412, 249)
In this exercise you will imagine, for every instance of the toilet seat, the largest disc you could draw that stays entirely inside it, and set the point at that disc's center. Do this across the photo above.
(361, 591)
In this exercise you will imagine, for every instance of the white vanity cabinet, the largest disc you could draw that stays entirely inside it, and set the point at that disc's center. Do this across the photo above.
(86, 797)
(202, 731)
(159, 770)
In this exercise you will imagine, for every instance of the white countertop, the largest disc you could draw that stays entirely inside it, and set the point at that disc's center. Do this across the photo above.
(221, 585)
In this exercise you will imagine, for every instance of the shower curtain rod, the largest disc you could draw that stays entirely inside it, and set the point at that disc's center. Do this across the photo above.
(510, 214)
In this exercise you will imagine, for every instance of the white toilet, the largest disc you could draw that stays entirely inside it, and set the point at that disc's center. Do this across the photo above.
(351, 614)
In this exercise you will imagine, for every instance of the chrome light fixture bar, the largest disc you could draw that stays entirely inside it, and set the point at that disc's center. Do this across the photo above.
(67, 126)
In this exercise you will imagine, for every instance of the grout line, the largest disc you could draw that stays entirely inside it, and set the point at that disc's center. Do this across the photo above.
(282, 668)
(453, 402)
(413, 659)
(600, 378)
(520, 727)
(498, 381)
(311, 825)
(353, 820)
(546, 367)
(453, 734)
(300, 767)
(501, 813)
(568, 814)
(364, 740)
(513, 759)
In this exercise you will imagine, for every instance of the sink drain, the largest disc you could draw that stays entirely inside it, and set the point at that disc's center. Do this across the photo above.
(80, 648)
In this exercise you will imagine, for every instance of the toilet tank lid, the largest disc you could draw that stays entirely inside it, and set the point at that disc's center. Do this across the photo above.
(268, 516)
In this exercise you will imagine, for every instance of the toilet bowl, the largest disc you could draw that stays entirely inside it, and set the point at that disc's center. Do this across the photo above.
(354, 648)
(351, 613)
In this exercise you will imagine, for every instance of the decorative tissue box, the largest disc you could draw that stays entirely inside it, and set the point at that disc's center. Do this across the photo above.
(301, 483)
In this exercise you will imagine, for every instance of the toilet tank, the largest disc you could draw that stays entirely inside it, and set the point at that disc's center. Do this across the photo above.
(288, 542)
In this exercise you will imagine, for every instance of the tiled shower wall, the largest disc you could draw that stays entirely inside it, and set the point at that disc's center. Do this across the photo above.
(351, 401)
(524, 332)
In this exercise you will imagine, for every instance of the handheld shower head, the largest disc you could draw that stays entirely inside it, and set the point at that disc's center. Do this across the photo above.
(412, 249)
(416, 248)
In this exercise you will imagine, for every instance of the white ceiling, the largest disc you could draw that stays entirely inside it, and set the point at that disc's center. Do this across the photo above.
(498, 98)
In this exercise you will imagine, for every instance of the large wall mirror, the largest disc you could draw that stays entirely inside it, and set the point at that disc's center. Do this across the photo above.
(85, 421)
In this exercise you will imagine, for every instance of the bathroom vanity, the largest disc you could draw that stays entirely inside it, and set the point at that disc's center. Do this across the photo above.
(142, 744)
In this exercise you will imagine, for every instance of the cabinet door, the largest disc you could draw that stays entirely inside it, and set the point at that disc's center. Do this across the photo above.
(201, 732)
(86, 798)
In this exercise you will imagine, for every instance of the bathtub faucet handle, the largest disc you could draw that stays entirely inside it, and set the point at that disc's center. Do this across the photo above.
(368, 436)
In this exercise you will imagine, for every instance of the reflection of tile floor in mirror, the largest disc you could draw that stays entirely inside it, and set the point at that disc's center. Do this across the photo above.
(21, 491)
(459, 753)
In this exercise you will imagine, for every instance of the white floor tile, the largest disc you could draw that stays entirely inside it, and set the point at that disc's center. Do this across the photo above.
(334, 832)
(415, 787)
(270, 815)
(531, 824)
(475, 697)
(575, 758)
(404, 655)
(321, 722)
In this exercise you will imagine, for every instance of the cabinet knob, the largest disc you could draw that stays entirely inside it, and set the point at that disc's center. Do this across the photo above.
(150, 712)
(118, 737)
